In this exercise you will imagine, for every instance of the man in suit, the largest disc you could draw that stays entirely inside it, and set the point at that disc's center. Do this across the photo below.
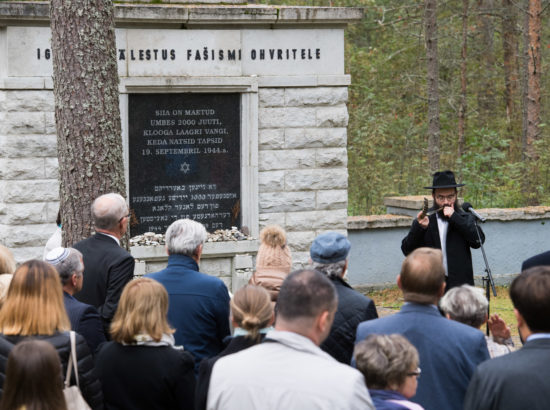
(84, 318)
(329, 253)
(521, 379)
(450, 229)
(449, 351)
(288, 370)
(542, 259)
(108, 267)
(199, 303)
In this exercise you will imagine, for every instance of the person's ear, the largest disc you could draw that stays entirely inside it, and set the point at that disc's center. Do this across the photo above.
(325, 321)
(74, 280)
(442, 290)
(519, 318)
(198, 251)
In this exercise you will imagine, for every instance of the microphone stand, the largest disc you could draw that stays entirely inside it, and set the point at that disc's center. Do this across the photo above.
(488, 282)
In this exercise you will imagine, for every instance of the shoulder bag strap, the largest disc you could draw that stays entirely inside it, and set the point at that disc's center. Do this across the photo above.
(73, 359)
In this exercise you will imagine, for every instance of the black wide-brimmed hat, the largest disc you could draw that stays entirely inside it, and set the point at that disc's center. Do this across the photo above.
(444, 179)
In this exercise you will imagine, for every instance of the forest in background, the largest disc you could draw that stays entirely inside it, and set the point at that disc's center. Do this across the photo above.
(493, 118)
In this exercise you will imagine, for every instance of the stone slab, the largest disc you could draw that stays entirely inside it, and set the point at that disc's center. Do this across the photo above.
(181, 14)
(168, 52)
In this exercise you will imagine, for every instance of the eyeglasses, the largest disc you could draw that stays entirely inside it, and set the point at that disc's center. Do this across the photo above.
(415, 373)
(445, 197)
(125, 216)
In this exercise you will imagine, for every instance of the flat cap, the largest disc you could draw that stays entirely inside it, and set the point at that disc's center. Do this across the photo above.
(329, 247)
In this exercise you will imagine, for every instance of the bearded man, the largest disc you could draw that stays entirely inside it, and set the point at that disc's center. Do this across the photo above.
(450, 229)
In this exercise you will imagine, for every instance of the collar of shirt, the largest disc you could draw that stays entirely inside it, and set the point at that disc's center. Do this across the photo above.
(443, 227)
(536, 336)
(110, 236)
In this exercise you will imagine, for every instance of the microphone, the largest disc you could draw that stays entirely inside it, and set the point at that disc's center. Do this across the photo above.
(467, 207)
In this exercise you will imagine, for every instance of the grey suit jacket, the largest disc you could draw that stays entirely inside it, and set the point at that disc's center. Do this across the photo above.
(519, 380)
(449, 352)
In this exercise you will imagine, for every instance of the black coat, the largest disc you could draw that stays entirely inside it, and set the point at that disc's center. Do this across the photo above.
(519, 380)
(542, 259)
(236, 344)
(353, 308)
(146, 377)
(87, 376)
(461, 236)
(107, 269)
(85, 321)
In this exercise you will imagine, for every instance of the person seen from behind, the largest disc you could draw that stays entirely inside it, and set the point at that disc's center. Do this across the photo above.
(390, 366)
(33, 378)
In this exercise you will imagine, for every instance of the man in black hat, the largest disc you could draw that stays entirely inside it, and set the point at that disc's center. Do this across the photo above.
(449, 229)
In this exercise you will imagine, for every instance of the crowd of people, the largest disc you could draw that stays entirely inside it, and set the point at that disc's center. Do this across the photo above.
(177, 339)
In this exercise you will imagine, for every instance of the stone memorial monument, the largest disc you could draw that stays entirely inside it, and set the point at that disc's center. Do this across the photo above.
(232, 115)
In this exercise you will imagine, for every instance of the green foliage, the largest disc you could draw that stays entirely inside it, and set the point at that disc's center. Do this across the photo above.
(387, 133)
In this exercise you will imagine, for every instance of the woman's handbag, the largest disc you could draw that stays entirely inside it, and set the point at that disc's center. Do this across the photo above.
(73, 396)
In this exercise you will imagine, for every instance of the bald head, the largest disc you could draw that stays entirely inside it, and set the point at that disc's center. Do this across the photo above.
(422, 276)
(108, 210)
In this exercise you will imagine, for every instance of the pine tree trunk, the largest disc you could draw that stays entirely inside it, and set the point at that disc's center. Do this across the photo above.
(87, 110)
(533, 78)
(510, 47)
(532, 100)
(463, 83)
(486, 92)
(434, 142)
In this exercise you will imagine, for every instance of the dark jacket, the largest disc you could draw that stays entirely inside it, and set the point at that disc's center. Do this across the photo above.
(107, 269)
(198, 307)
(542, 259)
(236, 344)
(85, 321)
(87, 376)
(519, 380)
(386, 400)
(353, 308)
(449, 352)
(146, 377)
(461, 236)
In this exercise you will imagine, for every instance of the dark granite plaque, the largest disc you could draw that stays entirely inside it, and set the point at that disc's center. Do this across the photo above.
(184, 160)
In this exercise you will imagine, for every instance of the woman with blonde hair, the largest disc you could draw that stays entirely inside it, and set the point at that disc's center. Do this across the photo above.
(7, 267)
(251, 316)
(141, 368)
(33, 378)
(34, 309)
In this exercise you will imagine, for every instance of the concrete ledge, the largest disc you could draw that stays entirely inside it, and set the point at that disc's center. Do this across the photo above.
(193, 14)
(211, 250)
(378, 221)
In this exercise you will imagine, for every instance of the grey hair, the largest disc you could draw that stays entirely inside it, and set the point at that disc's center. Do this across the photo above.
(184, 236)
(71, 264)
(465, 304)
(330, 269)
(385, 360)
(108, 209)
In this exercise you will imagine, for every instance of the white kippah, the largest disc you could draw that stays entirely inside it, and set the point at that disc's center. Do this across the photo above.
(57, 255)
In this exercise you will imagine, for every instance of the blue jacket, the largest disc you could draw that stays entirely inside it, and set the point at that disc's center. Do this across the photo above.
(449, 352)
(85, 321)
(198, 307)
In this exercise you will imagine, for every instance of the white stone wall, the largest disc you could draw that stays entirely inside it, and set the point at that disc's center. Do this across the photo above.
(303, 175)
(29, 190)
(302, 166)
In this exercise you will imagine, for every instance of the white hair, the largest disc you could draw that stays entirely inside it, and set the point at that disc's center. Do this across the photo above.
(184, 236)
(108, 210)
(465, 304)
(335, 269)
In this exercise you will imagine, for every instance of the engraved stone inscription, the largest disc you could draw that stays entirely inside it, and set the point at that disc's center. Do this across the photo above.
(184, 160)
